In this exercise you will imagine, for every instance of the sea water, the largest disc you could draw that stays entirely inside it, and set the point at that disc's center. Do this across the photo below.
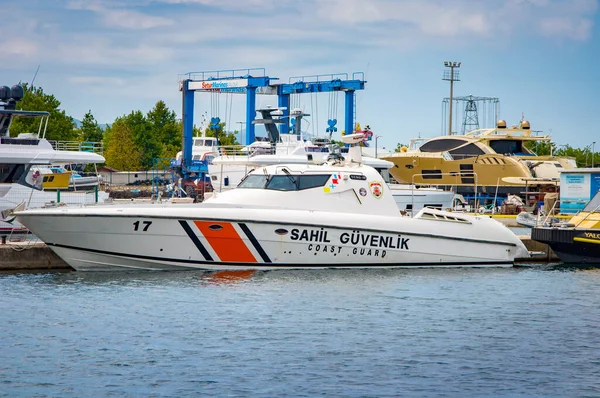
(352, 333)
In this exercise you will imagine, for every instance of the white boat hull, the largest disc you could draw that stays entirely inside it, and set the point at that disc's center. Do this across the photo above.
(14, 194)
(223, 239)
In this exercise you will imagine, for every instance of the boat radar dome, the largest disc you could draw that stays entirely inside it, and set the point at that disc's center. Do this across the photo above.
(354, 151)
(525, 125)
(16, 93)
(353, 138)
(501, 124)
(4, 93)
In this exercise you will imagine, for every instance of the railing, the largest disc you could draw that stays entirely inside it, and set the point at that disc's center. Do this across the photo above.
(553, 209)
(457, 175)
(79, 146)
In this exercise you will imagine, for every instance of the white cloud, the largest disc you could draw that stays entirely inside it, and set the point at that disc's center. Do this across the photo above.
(121, 17)
(18, 47)
(97, 80)
(569, 28)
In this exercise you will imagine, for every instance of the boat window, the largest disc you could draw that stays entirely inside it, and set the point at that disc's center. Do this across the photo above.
(431, 174)
(209, 158)
(441, 145)
(312, 181)
(282, 183)
(317, 149)
(254, 181)
(199, 143)
(11, 172)
(507, 146)
(466, 151)
(385, 173)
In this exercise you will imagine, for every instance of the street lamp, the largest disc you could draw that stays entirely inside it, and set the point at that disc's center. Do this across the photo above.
(593, 143)
(452, 76)
(241, 129)
(377, 136)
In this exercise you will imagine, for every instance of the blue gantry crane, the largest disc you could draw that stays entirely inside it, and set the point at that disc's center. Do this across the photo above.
(252, 82)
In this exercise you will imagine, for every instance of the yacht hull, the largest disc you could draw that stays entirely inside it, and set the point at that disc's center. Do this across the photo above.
(571, 245)
(211, 240)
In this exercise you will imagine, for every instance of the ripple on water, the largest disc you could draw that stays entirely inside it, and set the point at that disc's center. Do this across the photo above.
(499, 332)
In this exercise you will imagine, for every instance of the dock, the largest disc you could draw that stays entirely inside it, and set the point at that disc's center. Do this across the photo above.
(29, 256)
(36, 256)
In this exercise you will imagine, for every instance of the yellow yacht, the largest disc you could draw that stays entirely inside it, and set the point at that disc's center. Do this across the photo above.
(484, 158)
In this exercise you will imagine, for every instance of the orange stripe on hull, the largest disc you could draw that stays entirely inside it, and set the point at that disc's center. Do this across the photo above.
(225, 241)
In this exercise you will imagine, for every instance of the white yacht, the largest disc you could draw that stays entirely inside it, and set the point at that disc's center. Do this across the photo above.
(229, 169)
(336, 215)
(23, 160)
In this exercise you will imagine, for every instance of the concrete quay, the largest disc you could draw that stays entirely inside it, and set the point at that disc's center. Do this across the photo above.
(36, 256)
(29, 256)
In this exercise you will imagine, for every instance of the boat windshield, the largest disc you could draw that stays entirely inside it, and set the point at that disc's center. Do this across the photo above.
(11, 172)
(286, 182)
(254, 181)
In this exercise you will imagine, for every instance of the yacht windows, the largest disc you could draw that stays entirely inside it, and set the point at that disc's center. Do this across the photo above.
(466, 151)
(385, 173)
(441, 145)
(254, 181)
(507, 146)
(312, 181)
(285, 182)
(431, 174)
(11, 172)
(282, 183)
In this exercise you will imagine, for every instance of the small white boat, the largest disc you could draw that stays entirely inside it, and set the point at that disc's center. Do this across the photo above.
(530, 220)
(334, 215)
(526, 219)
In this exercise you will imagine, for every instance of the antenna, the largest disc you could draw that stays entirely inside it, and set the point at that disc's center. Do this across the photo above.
(35, 75)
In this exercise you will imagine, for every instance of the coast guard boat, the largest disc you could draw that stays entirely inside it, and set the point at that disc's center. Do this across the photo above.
(335, 215)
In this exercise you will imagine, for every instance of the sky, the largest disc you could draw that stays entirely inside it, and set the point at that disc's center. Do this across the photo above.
(539, 57)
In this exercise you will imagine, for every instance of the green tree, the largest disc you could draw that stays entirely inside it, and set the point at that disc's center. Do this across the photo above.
(120, 150)
(164, 125)
(399, 147)
(225, 138)
(541, 148)
(60, 125)
(582, 156)
(145, 140)
(90, 131)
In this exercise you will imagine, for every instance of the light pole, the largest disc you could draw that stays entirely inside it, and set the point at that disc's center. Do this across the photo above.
(377, 136)
(241, 130)
(593, 143)
(451, 76)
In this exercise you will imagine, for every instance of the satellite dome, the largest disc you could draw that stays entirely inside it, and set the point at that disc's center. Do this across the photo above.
(525, 125)
(4, 93)
(501, 124)
(17, 92)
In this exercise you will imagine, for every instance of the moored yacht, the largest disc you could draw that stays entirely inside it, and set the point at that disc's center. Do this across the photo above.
(578, 240)
(339, 214)
(496, 160)
(23, 160)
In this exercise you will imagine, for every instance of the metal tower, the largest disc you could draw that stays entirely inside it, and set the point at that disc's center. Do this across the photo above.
(471, 119)
(477, 112)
